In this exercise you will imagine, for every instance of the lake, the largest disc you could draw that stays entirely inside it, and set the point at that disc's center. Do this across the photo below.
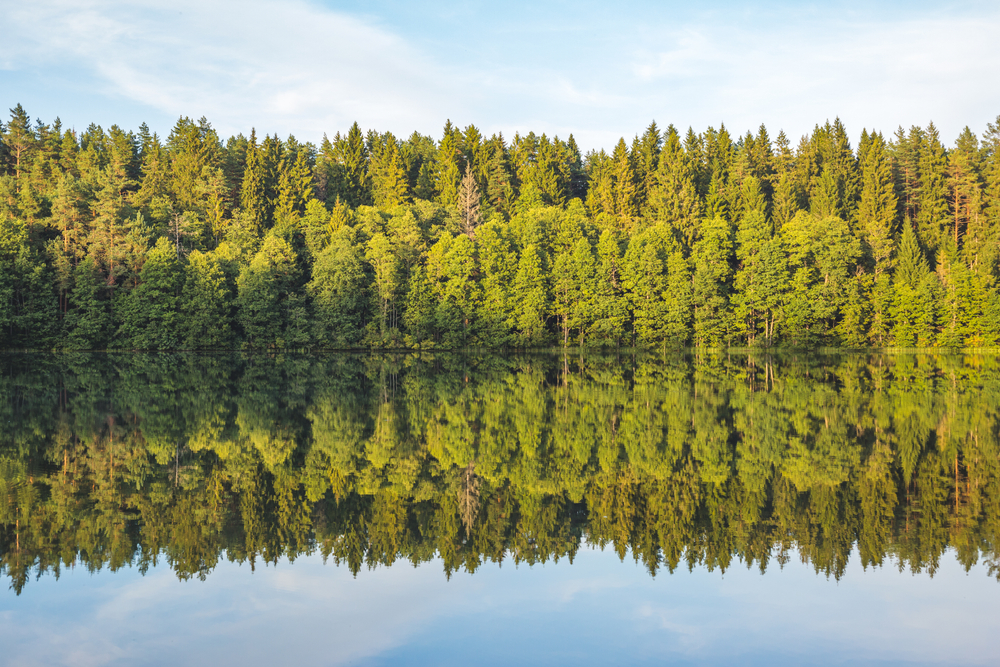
(548, 508)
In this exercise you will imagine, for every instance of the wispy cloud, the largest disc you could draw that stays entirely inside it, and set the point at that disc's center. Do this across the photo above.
(289, 64)
(794, 73)
(299, 67)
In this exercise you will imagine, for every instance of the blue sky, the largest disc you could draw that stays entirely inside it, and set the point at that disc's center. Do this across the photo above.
(594, 69)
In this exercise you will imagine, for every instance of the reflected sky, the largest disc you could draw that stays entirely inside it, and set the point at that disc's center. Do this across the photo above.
(597, 610)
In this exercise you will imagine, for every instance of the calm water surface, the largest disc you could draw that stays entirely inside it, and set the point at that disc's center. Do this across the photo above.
(484, 509)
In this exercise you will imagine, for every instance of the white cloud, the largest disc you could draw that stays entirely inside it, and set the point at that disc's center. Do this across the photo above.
(298, 67)
(290, 65)
(794, 74)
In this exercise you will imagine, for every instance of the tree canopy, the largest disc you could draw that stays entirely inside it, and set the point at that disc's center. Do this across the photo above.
(115, 239)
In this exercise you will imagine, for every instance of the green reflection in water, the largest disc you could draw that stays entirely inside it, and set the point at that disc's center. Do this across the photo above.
(111, 460)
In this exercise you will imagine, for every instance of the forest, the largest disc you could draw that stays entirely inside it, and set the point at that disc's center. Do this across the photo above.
(712, 460)
(115, 239)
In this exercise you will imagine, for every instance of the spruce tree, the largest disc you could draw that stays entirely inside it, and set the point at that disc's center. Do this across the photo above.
(625, 191)
(932, 211)
(673, 198)
(253, 200)
(877, 209)
(387, 174)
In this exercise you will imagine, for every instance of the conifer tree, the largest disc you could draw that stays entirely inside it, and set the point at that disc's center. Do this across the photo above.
(990, 253)
(645, 159)
(877, 209)
(352, 154)
(624, 189)
(387, 174)
(673, 198)
(762, 276)
(913, 315)
(19, 141)
(966, 196)
(448, 168)
(499, 191)
(577, 175)
(294, 184)
(932, 213)
(253, 199)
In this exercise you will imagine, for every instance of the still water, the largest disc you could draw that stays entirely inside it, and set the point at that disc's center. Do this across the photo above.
(484, 509)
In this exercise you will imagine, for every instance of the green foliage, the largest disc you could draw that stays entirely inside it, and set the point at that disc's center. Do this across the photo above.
(209, 292)
(88, 321)
(266, 294)
(704, 240)
(150, 312)
(340, 292)
(712, 459)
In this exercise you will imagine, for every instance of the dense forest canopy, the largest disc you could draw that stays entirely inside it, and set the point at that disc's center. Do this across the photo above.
(120, 239)
(713, 460)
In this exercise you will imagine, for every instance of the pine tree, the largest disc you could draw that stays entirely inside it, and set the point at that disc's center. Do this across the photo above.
(19, 140)
(577, 174)
(294, 184)
(966, 196)
(499, 190)
(911, 271)
(645, 158)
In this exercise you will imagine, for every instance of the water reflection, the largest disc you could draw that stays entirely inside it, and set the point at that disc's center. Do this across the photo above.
(110, 460)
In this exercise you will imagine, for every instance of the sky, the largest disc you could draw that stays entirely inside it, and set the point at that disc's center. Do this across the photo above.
(594, 69)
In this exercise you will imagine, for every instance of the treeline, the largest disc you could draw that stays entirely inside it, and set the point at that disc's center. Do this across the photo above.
(713, 460)
(118, 239)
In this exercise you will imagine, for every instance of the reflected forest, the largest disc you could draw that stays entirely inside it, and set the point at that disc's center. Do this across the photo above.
(717, 460)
